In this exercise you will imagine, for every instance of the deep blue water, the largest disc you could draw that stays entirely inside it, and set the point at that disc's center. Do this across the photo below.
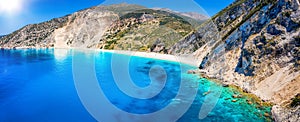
(38, 85)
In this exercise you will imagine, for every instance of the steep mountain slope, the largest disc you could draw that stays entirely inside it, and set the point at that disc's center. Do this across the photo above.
(120, 26)
(140, 29)
(254, 44)
(32, 35)
(75, 30)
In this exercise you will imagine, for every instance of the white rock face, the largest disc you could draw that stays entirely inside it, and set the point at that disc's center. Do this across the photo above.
(86, 29)
(286, 115)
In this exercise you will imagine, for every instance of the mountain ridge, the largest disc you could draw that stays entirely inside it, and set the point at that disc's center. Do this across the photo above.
(89, 28)
(193, 15)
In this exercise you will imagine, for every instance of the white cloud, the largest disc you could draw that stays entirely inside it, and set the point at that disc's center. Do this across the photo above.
(11, 7)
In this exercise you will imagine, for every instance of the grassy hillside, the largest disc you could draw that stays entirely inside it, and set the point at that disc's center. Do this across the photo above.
(140, 29)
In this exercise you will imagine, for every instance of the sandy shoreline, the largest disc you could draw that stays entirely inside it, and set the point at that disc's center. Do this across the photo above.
(181, 59)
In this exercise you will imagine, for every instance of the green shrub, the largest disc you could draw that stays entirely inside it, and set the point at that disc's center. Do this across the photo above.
(143, 49)
(295, 101)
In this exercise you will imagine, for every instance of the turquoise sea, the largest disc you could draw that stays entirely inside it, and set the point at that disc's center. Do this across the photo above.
(37, 85)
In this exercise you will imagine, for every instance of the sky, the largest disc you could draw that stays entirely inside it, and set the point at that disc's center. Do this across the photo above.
(15, 14)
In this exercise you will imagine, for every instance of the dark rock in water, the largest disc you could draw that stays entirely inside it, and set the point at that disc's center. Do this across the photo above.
(150, 62)
(206, 93)
(227, 98)
(237, 96)
(266, 114)
(225, 85)
(191, 72)
(258, 106)
(146, 68)
(249, 102)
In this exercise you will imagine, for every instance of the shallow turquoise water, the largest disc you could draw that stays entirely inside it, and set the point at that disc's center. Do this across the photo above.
(38, 85)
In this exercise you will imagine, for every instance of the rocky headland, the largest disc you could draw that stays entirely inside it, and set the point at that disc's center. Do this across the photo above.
(253, 44)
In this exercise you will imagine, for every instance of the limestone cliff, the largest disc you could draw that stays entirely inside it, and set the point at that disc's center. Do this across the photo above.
(254, 44)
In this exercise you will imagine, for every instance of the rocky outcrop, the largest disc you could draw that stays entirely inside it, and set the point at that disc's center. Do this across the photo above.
(158, 47)
(34, 35)
(86, 28)
(253, 44)
(286, 115)
(208, 34)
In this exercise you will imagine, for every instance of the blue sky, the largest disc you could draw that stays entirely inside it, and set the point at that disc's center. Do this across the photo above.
(15, 14)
